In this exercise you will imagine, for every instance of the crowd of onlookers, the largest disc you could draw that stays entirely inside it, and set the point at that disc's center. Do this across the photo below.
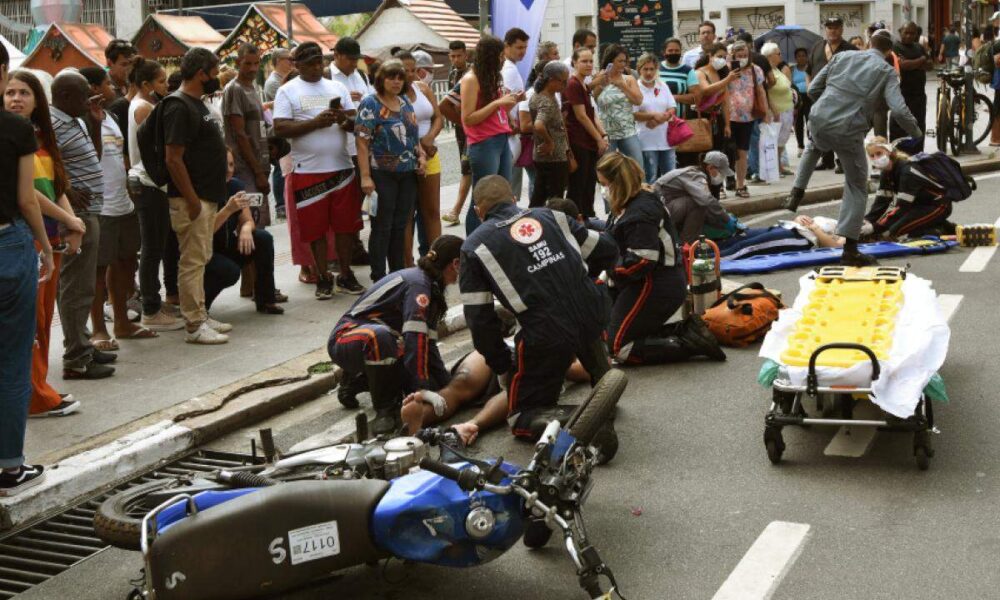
(331, 140)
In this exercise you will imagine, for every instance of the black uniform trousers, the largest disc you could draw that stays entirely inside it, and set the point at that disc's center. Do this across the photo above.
(640, 310)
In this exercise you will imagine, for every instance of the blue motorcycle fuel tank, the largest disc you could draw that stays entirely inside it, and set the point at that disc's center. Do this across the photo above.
(422, 517)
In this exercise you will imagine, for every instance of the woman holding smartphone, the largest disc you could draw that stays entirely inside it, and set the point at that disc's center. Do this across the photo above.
(617, 93)
(741, 91)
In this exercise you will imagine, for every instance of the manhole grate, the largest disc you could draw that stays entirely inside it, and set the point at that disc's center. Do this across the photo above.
(45, 549)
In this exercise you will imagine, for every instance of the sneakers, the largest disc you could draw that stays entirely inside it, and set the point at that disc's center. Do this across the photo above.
(794, 199)
(13, 482)
(219, 326)
(109, 313)
(104, 358)
(205, 335)
(324, 288)
(856, 258)
(348, 285)
(162, 321)
(94, 370)
(66, 407)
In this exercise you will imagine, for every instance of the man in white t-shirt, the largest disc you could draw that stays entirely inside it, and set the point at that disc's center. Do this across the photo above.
(316, 115)
(515, 46)
(706, 37)
(344, 70)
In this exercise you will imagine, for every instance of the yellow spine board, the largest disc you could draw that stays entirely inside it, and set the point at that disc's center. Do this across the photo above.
(845, 310)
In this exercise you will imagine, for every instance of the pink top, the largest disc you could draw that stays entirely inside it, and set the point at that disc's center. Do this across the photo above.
(494, 124)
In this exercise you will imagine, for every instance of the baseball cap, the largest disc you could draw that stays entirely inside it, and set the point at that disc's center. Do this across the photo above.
(833, 22)
(720, 162)
(424, 60)
(307, 52)
(349, 47)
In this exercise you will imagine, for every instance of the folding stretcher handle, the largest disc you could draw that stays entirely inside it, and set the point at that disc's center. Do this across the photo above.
(812, 380)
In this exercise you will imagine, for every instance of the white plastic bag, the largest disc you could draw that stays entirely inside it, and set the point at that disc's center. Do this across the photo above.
(768, 168)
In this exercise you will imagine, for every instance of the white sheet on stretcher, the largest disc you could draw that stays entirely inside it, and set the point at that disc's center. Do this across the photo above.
(919, 346)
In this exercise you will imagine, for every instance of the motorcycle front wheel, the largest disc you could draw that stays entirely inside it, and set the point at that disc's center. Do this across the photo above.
(118, 520)
(598, 409)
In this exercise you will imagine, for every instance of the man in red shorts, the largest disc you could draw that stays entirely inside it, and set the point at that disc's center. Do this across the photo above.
(316, 115)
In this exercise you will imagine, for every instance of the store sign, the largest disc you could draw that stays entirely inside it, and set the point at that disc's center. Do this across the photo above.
(638, 25)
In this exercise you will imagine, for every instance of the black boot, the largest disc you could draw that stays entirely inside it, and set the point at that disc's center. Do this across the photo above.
(794, 199)
(385, 382)
(350, 386)
(657, 350)
(852, 257)
(697, 337)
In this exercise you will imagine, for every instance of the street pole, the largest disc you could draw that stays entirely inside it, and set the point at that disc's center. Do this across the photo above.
(701, 11)
(969, 147)
(288, 20)
(484, 15)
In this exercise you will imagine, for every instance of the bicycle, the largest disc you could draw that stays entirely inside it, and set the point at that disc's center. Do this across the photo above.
(951, 116)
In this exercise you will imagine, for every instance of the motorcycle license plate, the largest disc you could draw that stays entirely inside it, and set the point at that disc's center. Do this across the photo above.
(314, 542)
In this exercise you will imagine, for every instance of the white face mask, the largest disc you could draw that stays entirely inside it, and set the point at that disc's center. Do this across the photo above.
(718, 63)
(744, 62)
(428, 78)
(717, 179)
(648, 81)
(881, 162)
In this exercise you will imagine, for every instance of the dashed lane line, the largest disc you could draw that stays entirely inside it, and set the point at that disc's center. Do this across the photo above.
(979, 257)
(854, 442)
(766, 563)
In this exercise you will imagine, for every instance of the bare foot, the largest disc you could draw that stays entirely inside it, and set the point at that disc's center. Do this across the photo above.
(468, 431)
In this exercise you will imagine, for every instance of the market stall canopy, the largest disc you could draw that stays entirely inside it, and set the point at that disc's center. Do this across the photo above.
(788, 38)
(170, 36)
(69, 45)
(16, 56)
(264, 25)
(402, 22)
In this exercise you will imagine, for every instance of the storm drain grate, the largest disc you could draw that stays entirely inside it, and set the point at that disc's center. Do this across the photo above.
(45, 549)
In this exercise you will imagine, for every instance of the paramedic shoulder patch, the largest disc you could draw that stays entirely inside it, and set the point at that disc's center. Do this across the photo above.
(526, 230)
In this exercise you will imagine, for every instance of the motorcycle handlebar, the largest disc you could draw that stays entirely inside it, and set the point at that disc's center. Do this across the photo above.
(467, 479)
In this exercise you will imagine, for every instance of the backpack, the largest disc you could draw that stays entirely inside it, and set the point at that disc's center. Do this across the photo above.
(150, 138)
(983, 60)
(742, 316)
(944, 174)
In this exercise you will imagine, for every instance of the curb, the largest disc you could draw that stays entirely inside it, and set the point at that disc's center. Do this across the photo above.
(762, 204)
(79, 475)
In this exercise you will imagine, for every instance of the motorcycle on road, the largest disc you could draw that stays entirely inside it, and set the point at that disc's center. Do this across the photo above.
(230, 542)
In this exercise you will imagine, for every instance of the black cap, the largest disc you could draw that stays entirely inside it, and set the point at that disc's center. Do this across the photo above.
(349, 47)
(307, 52)
(833, 22)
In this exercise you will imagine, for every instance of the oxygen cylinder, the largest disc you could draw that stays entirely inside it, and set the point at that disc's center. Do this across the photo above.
(704, 280)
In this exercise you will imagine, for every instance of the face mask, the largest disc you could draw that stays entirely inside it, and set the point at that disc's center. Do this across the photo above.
(428, 78)
(744, 62)
(648, 80)
(881, 162)
(718, 63)
(673, 59)
(211, 86)
(717, 179)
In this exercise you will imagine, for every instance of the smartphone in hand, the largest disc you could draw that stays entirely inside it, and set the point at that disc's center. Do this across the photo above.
(255, 200)
(335, 103)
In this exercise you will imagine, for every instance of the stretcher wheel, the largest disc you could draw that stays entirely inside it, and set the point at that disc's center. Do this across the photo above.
(774, 443)
(922, 450)
(784, 401)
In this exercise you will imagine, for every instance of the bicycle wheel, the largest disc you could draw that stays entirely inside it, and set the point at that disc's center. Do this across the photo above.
(981, 117)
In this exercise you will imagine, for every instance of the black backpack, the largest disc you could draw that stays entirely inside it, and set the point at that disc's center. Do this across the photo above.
(150, 138)
(944, 174)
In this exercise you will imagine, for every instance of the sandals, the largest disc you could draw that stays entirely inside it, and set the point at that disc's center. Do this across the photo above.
(106, 345)
(742, 192)
(308, 278)
(450, 218)
(142, 333)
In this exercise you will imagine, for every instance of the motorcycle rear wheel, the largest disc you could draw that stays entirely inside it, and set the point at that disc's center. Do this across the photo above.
(598, 409)
(115, 522)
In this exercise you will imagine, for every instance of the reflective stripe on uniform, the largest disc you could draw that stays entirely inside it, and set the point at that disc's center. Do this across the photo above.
(669, 256)
(905, 197)
(477, 298)
(415, 327)
(503, 282)
(590, 243)
(647, 254)
(375, 296)
(563, 222)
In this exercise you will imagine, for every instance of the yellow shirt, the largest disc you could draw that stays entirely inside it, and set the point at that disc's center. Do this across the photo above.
(780, 94)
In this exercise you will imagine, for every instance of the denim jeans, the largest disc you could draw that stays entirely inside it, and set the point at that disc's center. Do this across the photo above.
(753, 156)
(397, 197)
(18, 292)
(224, 268)
(488, 157)
(657, 163)
(629, 146)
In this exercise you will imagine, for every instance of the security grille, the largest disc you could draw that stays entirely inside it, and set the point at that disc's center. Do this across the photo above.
(18, 11)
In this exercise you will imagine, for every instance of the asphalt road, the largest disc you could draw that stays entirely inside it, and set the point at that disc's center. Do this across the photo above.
(691, 489)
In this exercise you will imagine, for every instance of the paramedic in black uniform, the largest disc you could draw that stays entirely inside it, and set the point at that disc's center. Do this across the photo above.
(534, 262)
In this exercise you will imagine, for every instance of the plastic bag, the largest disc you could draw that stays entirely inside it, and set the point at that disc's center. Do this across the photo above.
(769, 169)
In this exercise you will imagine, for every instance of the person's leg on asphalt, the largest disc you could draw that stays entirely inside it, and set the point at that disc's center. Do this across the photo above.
(18, 293)
(44, 397)
(919, 218)
(807, 165)
(99, 329)
(154, 222)
(263, 260)
(753, 152)
(121, 277)
(470, 381)
(388, 191)
(171, 266)
(769, 240)
(484, 159)
(406, 200)
(581, 183)
(195, 242)
(77, 280)
(221, 272)
(516, 179)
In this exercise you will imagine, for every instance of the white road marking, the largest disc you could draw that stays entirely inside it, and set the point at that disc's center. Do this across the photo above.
(979, 257)
(854, 442)
(949, 305)
(990, 176)
(766, 563)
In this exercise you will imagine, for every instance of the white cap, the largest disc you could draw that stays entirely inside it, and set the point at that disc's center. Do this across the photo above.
(996, 16)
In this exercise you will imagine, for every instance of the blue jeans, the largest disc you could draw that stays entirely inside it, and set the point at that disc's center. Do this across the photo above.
(397, 195)
(754, 152)
(629, 146)
(18, 292)
(657, 163)
(488, 157)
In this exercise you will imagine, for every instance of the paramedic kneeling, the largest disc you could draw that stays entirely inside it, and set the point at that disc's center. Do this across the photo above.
(534, 262)
(906, 203)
